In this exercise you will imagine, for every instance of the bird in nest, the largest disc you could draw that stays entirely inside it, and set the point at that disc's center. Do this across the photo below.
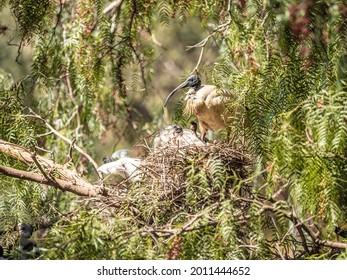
(207, 103)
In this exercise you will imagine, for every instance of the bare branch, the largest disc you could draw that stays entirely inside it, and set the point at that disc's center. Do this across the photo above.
(297, 223)
(202, 43)
(188, 225)
(58, 183)
(220, 28)
(67, 140)
(64, 179)
(115, 4)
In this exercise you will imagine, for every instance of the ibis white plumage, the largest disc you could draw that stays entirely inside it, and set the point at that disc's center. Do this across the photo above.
(206, 102)
(176, 136)
(119, 163)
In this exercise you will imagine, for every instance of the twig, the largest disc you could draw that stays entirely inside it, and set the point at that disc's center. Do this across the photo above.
(188, 225)
(202, 44)
(44, 134)
(199, 61)
(68, 84)
(115, 4)
(71, 148)
(204, 41)
(67, 140)
(61, 6)
(142, 68)
(290, 215)
(43, 150)
(49, 178)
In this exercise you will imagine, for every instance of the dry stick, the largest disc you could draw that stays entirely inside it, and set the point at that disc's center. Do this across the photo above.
(303, 239)
(113, 5)
(199, 61)
(68, 84)
(43, 150)
(49, 178)
(203, 43)
(70, 150)
(67, 140)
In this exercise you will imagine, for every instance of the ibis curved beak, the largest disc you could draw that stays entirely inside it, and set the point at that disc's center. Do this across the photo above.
(183, 85)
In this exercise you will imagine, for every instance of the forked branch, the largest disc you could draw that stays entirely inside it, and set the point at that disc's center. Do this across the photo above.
(67, 140)
(52, 174)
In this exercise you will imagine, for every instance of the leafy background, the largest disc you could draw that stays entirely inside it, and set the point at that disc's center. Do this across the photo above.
(101, 78)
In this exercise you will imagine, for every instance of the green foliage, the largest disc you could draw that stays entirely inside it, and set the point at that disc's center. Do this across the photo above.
(93, 74)
(32, 16)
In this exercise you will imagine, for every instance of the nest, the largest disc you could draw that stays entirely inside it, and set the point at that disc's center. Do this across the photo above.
(167, 172)
(189, 186)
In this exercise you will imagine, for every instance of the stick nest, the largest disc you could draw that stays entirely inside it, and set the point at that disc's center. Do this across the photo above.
(167, 172)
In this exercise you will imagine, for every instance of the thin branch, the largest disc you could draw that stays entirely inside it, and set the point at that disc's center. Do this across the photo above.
(71, 148)
(49, 178)
(297, 223)
(44, 134)
(77, 107)
(67, 140)
(61, 6)
(115, 4)
(142, 68)
(202, 44)
(199, 61)
(188, 225)
(43, 150)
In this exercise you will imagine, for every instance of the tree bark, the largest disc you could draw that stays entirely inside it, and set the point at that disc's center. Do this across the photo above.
(52, 174)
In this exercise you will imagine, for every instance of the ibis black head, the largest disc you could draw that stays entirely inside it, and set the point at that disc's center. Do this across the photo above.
(193, 81)
(107, 159)
(178, 130)
(193, 126)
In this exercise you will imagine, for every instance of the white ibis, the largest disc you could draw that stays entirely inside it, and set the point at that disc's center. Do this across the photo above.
(124, 166)
(204, 101)
(117, 155)
(174, 135)
(121, 153)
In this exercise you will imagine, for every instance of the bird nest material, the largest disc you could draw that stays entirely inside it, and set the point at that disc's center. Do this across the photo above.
(168, 167)
(195, 174)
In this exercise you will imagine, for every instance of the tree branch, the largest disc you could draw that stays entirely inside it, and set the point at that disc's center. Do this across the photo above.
(57, 183)
(54, 174)
(297, 223)
(202, 44)
(67, 140)
(115, 4)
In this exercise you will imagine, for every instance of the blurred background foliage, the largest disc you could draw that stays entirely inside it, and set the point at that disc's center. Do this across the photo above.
(100, 77)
